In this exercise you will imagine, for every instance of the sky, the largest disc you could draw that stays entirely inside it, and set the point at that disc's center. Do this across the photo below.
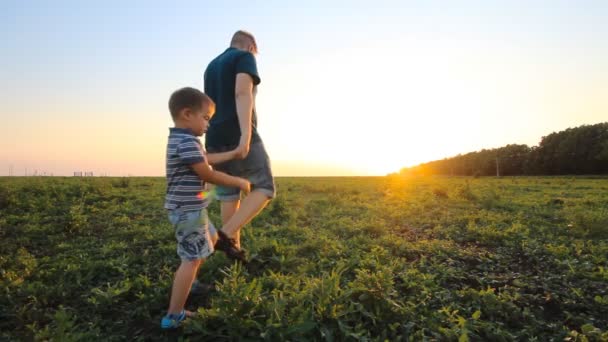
(348, 87)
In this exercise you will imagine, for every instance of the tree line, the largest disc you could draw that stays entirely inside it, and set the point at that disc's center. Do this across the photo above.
(575, 151)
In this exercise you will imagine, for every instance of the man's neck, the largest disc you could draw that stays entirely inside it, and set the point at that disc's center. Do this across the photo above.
(238, 48)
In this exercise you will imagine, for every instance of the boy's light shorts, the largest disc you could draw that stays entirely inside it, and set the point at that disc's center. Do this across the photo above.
(193, 233)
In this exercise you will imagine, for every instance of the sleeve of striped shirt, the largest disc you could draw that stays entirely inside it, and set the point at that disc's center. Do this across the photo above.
(189, 151)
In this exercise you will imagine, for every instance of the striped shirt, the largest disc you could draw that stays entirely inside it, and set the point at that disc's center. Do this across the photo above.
(184, 187)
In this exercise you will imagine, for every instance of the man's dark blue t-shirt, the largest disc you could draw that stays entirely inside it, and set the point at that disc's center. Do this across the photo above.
(220, 80)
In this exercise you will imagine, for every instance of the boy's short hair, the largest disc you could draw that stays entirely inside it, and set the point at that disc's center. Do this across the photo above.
(188, 97)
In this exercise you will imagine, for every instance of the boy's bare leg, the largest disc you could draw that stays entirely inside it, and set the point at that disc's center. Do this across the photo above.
(249, 207)
(184, 276)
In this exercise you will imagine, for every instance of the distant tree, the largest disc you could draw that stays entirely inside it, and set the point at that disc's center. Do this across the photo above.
(580, 150)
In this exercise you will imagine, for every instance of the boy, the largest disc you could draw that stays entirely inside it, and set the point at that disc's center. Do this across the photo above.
(187, 170)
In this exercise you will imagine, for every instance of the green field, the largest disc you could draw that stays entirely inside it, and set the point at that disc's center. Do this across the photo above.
(332, 259)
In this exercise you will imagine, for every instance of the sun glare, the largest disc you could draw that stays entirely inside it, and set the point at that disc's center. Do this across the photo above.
(380, 120)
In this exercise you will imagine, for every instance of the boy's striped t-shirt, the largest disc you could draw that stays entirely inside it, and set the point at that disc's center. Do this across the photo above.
(184, 187)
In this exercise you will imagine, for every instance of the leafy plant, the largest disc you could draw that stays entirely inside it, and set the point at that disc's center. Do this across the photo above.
(331, 259)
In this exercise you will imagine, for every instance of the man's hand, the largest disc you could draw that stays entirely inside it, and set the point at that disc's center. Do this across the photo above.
(244, 185)
(242, 150)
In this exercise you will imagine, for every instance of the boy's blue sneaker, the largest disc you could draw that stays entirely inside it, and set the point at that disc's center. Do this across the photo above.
(172, 321)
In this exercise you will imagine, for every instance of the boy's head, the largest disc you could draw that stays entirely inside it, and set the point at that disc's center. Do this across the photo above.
(192, 109)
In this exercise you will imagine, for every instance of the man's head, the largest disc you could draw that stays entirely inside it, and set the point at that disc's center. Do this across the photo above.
(192, 109)
(245, 41)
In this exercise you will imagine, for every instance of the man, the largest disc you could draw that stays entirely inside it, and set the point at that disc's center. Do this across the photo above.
(231, 80)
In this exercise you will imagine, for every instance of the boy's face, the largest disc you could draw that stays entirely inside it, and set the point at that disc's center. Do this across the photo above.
(198, 120)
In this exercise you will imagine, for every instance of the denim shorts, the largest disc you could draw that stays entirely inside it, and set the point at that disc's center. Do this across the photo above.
(255, 168)
(193, 233)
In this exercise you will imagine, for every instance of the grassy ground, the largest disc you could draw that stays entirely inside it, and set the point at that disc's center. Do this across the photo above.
(331, 259)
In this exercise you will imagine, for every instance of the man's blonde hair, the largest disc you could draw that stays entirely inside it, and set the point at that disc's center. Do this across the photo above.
(240, 38)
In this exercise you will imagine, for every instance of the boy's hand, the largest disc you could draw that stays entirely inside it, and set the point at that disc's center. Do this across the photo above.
(244, 185)
(234, 154)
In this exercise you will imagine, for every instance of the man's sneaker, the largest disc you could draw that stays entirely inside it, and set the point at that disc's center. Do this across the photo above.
(199, 288)
(173, 321)
(228, 246)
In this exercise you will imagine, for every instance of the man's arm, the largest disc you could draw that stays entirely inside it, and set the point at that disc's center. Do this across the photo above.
(243, 93)
(207, 174)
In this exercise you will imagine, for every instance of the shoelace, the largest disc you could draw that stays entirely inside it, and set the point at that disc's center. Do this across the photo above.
(178, 317)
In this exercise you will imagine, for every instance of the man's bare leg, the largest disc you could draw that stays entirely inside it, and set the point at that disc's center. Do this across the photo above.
(228, 209)
(249, 207)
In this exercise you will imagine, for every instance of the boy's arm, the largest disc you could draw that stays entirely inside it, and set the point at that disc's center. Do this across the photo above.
(190, 152)
(206, 173)
(218, 158)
